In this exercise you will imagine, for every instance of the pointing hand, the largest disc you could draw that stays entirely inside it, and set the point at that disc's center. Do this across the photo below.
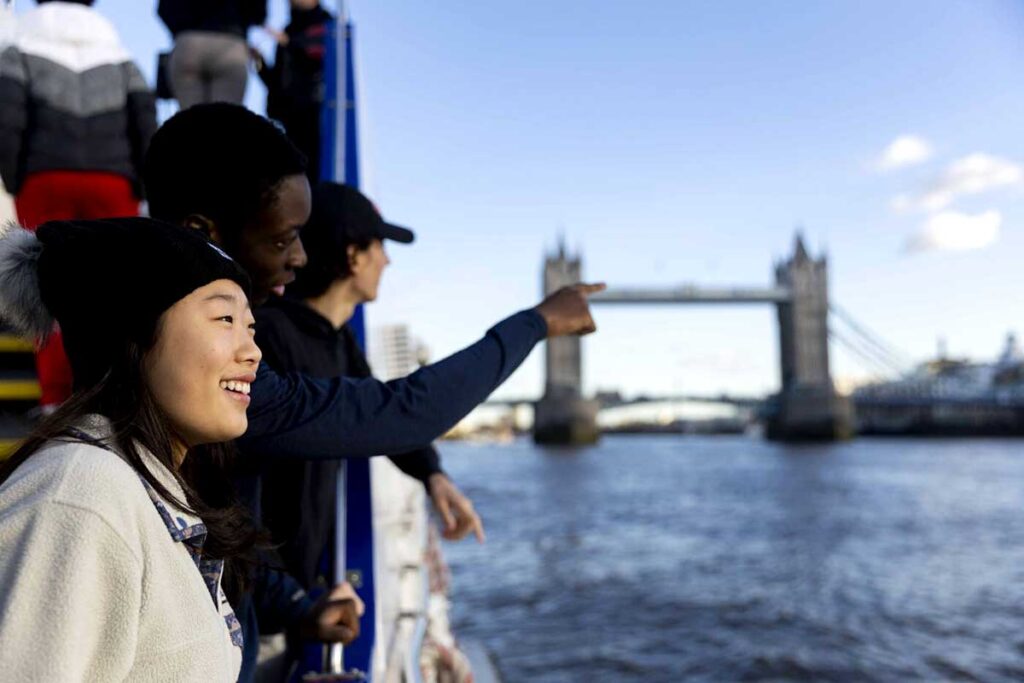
(567, 312)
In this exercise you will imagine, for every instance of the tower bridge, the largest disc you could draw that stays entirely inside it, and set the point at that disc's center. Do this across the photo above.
(806, 407)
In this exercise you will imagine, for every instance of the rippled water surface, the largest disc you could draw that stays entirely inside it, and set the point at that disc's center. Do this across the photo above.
(727, 558)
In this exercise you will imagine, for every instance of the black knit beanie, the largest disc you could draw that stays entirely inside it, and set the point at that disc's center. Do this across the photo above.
(105, 282)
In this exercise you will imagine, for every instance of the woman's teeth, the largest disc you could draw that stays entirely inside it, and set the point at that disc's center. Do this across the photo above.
(238, 387)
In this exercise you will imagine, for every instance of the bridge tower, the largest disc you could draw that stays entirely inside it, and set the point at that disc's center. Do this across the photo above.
(807, 406)
(563, 416)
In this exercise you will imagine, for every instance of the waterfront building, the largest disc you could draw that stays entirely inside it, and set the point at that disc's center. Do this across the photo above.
(395, 352)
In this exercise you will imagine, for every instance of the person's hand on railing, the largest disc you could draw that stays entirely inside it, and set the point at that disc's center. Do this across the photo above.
(334, 617)
(455, 509)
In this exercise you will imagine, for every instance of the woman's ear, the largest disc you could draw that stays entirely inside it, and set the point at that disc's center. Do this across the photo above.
(352, 253)
(204, 225)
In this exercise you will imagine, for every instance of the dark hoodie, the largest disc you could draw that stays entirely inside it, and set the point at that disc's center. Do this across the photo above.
(295, 83)
(216, 16)
(296, 80)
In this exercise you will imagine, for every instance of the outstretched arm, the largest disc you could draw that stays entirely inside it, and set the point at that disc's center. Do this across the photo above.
(292, 415)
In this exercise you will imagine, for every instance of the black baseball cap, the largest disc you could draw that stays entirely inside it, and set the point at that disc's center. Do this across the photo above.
(343, 215)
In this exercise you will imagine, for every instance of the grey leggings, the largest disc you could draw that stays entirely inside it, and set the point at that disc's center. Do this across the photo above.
(209, 67)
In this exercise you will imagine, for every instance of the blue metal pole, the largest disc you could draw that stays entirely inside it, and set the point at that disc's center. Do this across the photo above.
(339, 162)
(352, 175)
(359, 541)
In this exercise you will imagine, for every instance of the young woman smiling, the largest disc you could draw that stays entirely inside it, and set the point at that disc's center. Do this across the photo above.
(115, 526)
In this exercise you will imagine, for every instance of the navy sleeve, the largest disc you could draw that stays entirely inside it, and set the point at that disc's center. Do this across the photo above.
(419, 464)
(279, 600)
(292, 415)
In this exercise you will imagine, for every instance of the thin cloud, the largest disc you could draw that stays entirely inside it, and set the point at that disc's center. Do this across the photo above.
(906, 150)
(972, 175)
(955, 231)
(901, 203)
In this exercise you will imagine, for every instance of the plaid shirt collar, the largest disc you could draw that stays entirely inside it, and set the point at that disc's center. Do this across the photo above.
(183, 527)
(192, 532)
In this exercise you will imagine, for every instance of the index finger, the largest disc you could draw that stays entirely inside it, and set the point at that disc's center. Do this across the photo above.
(593, 288)
(478, 529)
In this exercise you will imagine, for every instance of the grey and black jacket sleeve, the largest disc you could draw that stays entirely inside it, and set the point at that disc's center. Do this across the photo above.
(13, 117)
(140, 110)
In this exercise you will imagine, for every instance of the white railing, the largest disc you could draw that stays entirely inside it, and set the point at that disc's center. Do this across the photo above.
(403, 585)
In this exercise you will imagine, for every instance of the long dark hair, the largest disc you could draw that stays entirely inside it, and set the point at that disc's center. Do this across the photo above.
(137, 422)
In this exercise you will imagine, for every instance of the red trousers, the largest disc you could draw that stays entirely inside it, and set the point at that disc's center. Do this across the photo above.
(67, 195)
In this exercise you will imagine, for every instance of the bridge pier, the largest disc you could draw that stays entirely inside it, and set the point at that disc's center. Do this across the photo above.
(807, 407)
(563, 416)
(566, 421)
(810, 414)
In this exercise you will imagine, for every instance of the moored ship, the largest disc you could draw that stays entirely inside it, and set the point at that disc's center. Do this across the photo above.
(949, 397)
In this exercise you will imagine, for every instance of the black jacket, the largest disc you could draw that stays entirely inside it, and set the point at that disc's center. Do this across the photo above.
(295, 82)
(297, 417)
(298, 496)
(217, 16)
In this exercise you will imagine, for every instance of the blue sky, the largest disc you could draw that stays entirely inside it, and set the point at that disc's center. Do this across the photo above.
(684, 142)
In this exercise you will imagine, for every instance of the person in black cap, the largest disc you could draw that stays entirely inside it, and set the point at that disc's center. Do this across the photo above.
(307, 331)
(118, 539)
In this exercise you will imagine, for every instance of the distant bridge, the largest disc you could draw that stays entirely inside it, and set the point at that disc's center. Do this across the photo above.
(806, 405)
(692, 294)
(607, 401)
(898, 399)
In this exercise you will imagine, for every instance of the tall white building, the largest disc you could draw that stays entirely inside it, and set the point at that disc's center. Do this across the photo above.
(394, 352)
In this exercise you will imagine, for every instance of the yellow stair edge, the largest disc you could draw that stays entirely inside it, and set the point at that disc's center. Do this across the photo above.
(7, 447)
(12, 344)
(19, 390)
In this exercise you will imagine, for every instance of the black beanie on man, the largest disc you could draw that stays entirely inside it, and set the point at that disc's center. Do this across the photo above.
(105, 282)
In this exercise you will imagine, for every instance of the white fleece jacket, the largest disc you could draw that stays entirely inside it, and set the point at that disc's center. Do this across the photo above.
(92, 586)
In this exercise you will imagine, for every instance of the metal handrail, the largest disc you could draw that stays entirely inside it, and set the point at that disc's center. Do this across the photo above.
(413, 672)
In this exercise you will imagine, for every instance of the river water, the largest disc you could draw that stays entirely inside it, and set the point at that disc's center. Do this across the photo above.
(662, 558)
